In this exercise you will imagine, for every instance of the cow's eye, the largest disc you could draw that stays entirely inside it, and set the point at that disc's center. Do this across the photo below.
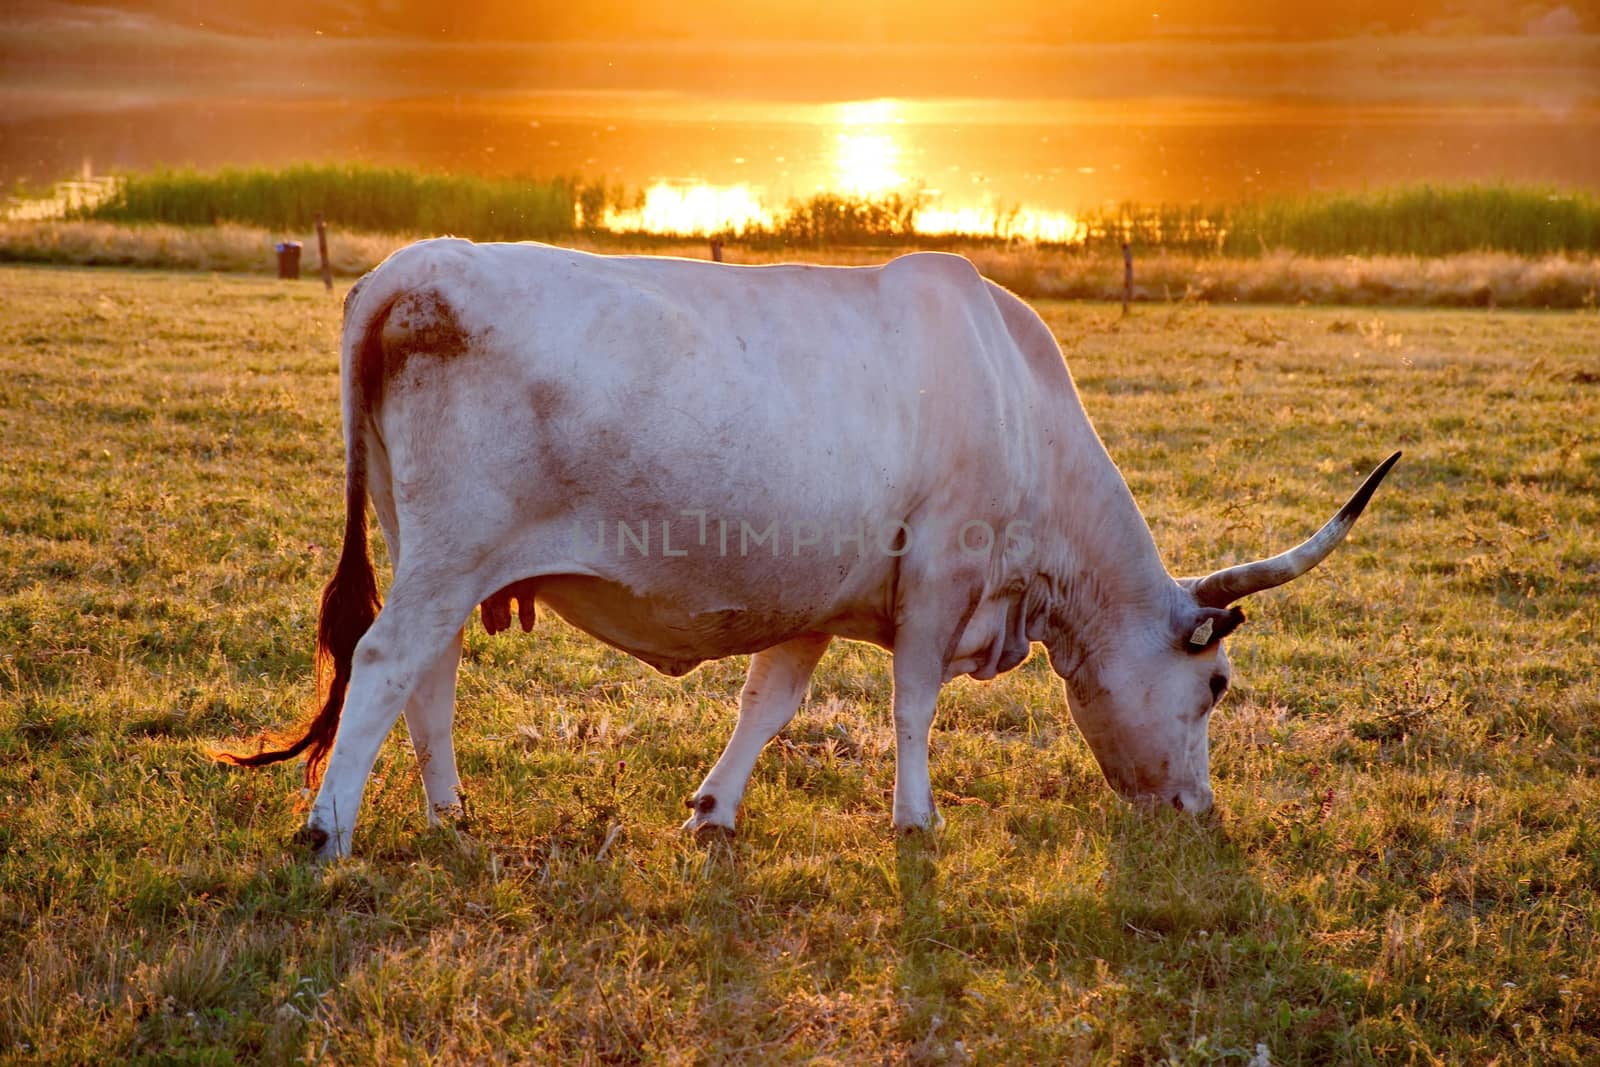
(1219, 685)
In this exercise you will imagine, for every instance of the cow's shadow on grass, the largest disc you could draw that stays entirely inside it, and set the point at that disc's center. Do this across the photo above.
(934, 969)
(1159, 903)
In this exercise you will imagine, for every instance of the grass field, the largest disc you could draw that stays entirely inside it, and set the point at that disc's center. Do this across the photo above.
(1405, 867)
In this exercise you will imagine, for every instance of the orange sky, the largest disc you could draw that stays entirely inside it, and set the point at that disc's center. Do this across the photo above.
(888, 21)
(868, 21)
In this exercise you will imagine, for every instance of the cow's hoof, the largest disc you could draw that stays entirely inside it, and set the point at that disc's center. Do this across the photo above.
(710, 833)
(311, 839)
(454, 816)
(918, 823)
(705, 820)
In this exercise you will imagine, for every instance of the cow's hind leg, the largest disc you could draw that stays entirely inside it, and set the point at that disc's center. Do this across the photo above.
(771, 695)
(412, 633)
(430, 714)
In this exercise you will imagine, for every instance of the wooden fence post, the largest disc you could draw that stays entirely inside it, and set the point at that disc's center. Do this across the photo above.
(716, 250)
(322, 252)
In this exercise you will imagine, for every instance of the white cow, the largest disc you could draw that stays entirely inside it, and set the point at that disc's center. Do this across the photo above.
(691, 460)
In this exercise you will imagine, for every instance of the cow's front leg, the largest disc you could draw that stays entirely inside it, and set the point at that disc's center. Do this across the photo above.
(936, 603)
(770, 697)
(411, 634)
(918, 675)
(430, 714)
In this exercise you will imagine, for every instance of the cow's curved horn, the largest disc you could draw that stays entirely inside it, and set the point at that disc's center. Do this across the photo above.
(1222, 588)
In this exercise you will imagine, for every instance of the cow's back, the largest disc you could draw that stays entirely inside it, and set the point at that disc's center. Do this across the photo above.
(652, 421)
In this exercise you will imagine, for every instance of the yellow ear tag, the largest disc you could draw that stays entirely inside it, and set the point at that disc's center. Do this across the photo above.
(1202, 634)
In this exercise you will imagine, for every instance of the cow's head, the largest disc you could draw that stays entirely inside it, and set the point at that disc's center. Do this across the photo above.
(1142, 688)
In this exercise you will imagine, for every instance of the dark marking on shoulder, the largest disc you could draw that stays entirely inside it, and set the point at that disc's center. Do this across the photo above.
(546, 398)
(422, 323)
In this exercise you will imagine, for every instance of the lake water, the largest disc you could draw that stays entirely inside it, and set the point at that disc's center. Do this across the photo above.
(706, 159)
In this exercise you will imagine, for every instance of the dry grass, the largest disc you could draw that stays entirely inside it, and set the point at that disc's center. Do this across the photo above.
(1478, 279)
(226, 247)
(1470, 280)
(1406, 866)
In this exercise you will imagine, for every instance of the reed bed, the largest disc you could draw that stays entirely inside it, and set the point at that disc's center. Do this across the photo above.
(1422, 220)
(1419, 220)
(361, 198)
(830, 220)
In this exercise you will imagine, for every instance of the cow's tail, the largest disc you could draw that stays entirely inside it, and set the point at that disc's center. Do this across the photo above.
(350, 601)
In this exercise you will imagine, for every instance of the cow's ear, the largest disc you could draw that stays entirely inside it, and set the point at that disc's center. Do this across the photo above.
(1211, 626)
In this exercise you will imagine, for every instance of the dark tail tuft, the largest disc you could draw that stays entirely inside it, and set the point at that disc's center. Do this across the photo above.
(349, 605)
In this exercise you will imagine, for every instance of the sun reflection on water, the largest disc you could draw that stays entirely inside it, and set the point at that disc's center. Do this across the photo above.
(867, 157)
(871, 144)
(1023, 224)
(692, 209)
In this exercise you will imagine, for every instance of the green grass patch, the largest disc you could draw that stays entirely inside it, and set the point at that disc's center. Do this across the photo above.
(1406, 864)
(1416, 220)
(1423, 220)
(368, 198)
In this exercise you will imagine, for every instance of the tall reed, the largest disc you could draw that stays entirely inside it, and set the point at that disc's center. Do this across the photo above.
(1422, 220)
(833, 219)
(382, 199)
